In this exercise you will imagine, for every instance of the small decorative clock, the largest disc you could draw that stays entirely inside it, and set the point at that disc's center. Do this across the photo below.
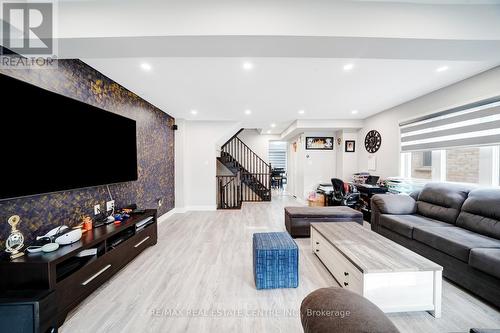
(373, 140)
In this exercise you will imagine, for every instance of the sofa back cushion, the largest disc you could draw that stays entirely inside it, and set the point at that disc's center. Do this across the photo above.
(481, 212)
(442, 201)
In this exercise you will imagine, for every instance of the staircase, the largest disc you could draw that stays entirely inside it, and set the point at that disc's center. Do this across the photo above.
(251, 180)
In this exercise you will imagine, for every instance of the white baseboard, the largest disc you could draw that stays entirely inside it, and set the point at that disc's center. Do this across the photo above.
(182, 210)
(168, 214)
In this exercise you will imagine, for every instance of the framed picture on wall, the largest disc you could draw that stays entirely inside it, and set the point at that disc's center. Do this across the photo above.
(350, 146)
(319, 143)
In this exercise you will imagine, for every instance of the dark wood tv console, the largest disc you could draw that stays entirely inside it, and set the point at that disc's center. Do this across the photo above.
(71, 279)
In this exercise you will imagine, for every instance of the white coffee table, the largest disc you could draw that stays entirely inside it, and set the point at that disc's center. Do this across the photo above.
(388, 274)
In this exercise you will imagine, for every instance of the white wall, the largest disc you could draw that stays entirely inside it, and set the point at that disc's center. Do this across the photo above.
(295, 167)
(339, 156)
(257, 142)
(292, 166)
(481, 86)
(349, 160)
(197, 148)
(308, 168)
(180, 146)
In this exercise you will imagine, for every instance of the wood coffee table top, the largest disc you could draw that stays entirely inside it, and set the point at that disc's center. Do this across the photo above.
(371, 252)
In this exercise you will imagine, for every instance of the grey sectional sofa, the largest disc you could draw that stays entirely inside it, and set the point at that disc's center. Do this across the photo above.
(455, 226)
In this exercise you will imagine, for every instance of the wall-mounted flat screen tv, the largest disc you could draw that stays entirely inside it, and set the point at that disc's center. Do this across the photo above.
(50, 142)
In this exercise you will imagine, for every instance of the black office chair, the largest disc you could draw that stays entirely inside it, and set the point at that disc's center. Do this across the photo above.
(341, 197)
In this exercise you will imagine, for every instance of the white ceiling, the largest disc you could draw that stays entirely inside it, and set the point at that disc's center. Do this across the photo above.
(401, 19)
(196, 49)
(277, 88)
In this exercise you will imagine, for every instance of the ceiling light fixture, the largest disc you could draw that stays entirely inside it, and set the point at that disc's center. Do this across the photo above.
(247, 112)
(441, 69)
(301, 111)
(247, 66)
(273, 125)
(348, 67)
(354, 111)
(194, 112)
(145, 66)
(268, 131)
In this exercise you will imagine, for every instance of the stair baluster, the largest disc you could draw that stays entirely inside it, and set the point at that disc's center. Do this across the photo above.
(253, 172)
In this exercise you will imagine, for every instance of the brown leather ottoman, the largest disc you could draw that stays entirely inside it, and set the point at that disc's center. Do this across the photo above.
(298, 219)
(340, 310)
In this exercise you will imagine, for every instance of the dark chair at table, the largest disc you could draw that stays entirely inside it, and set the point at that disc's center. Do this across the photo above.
(277, 177)
(342, 196)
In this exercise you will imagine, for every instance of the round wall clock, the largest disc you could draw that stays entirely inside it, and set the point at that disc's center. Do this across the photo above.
(373, 140)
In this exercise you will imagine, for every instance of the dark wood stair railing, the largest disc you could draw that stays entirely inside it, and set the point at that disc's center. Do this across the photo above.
(255, 173)
(229, 192)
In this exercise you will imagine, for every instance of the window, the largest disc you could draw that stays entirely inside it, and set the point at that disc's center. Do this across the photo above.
(462, 165)
(476, 124)
(421, 165)
(277, 154)
(427, 159)
(457, 145)
(476, 165)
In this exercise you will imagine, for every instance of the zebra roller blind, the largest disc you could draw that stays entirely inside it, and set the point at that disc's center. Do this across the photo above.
(476, 124)
(277, 154)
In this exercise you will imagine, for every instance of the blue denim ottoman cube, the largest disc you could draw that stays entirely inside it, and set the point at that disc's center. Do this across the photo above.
(275, 260)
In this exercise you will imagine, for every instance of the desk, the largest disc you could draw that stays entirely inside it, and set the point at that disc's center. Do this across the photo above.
(371, 190)
(366, 193)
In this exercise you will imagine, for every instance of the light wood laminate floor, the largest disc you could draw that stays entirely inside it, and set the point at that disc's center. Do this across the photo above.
(198, 278)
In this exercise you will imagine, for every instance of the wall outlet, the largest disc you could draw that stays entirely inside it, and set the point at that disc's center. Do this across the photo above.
(110, 205)
(97, 209)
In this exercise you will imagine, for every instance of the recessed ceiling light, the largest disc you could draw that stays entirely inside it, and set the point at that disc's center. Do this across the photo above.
(273, 125)
(348, 67)
(247, 65)
(145, 66)
(194, 112)
(354, 111)
(301, 111)
(442, 69)
(247, 112)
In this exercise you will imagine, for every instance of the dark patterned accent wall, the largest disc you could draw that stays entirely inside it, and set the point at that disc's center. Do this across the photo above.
(155, 149)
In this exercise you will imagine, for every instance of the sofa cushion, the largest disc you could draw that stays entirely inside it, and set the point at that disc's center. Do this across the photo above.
(486, 260)
(481, 212)
(454, 241)
(404, 224)
(442, 201)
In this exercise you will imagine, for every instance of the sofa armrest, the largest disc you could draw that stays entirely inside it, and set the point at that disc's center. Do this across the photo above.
(390, 204)
(415, 195)
(394, 204)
